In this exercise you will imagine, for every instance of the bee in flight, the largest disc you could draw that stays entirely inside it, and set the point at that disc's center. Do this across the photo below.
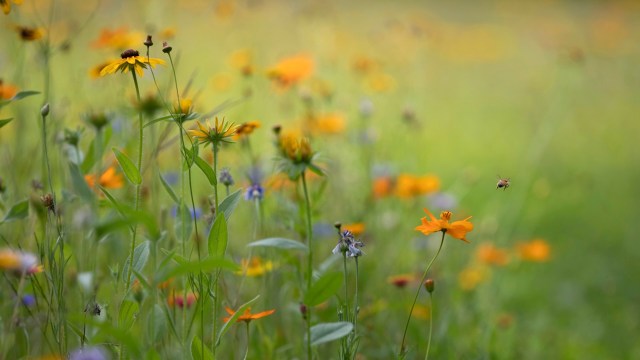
(503, 183)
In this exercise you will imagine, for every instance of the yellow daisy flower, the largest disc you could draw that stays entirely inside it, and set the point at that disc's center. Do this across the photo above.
(220, 132)
(130, 61)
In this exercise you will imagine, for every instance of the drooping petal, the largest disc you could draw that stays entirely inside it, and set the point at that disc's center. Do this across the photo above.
(262, 314)
(459, 229)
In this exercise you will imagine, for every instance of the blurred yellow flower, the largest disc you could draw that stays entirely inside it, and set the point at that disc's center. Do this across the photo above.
(456, 229)
(255, 267)
(489, 254)
(421, 312)
(408, 185)
(7, 91)
(6, 6)
(110, 179)
(167, 33)
(292, 70)
(246, 129)
(356, 229)
(19, 262)
(185, 107)
(328, 124)
(536, 250)
(29, 34)
(379, 82)
(296, 148)
(130, 61)
(118, 39)
(94, 72)
(471, 277)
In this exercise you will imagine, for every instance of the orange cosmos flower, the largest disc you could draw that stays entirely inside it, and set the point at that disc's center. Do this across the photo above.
(489, 254)
(536, 250)
(456, 229)
(328, 124)
(382, 186)
(356, 228)
(7, 91)
(110, 179)
(291, 70)
(247, 316)
(130, 60)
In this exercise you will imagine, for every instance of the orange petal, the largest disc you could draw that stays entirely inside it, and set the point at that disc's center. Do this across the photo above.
(458, 229)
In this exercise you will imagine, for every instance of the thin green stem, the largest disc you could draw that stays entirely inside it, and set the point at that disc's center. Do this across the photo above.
(346, 286)
(246, 352)
(355, 305)
(138, 186)
(415, 299)
(426, 356)
(216, 293)
(309, 259)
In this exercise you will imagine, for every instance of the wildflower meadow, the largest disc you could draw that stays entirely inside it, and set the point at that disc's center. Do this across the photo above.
(252, 179)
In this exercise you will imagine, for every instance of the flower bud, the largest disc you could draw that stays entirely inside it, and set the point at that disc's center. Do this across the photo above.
(166, 48)
(45, 110)
(148, 42)
(429, 285)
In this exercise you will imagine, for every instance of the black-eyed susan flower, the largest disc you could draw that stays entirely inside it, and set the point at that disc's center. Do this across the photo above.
(130, 61)
(29, 34)
(6, 6)
(220, 132)
(456, 229)
(246, 129)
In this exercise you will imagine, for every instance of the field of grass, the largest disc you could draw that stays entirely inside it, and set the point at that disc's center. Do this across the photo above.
(353, 116)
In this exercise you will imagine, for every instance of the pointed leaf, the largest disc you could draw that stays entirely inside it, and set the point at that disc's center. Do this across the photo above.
(140, 257)
(324, 288)
(128, 168)
(24, 94)
(128, 312)
(80, 185)
(218, 237)
(4, 122)
(279, 243)
(207, 266)
(169, 190)
(325, 332)
(207, 170)
(199, 351)
(229, 204)
(233, 318)
(19, 210)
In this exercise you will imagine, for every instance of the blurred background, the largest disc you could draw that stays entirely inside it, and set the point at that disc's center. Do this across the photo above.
(456, 93)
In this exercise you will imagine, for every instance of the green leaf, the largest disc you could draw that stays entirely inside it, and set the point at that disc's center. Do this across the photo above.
(113, 201)
(218, 237)
(122, 336)
(207, 265)
(229, 204)
(19, 210)
(130, 170)
(233, 318)
(152, 354)
(199, 351)
(169, 190)
(325, 332)
(140, 257)
(4, 122)
(207, 170)
(80, 184)
(158, 324)
(279, 243)
(151, 122)
(325, 287)
(24, 94)
(128, 312)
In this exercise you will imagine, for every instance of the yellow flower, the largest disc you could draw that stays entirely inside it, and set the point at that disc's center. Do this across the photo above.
(255, 267)
(408, 185)
(130, 61)
(296, 148)
(29, 34)
(292, 70)
(118, 39)
(185, 107)
(471, 277)
(489, 254)
(6, 6)
(7, 91)
(536, 250)
(329, 124)
(246, 129)
(220, 132)
(456, 229)
(110, 179)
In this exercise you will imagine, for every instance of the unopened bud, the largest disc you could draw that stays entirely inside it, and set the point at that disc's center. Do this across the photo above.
(45, 110)
(276, 129)
(303, 310)
(166, 48)
(429, 285)
(337, 225)
(148, 42)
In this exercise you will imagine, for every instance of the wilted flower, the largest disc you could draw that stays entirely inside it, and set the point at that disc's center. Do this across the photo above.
(247, 316)
(130, 61)
(245, 129)
(456, 229)
(348, 244)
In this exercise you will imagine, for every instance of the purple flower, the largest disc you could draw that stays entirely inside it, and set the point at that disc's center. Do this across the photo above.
(254, 192)
(89, 353)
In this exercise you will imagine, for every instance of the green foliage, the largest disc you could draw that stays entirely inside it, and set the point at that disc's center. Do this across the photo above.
(128, 167)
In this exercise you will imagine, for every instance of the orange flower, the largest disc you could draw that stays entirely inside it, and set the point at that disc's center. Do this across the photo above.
(471, 277)
(489, 254)
(7, 91)
(536, 250)
(247, 316)
(329, 124)
(356, 228)
(246, 129)
(291, 70)
(408, 185)
(456, 229)
(110, 179)
(6, 6)
(382, 186)
(118, 39)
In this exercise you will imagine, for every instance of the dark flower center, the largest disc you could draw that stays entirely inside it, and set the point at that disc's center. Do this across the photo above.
(129, 53)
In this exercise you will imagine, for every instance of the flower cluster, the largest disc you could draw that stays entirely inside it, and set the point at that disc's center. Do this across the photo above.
(349, 245)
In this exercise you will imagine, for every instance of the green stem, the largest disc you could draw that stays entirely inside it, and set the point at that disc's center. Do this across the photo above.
(216, 294)
(346, 289)
(415, 299)
(426, 356)
(246, 352)
(309, 259)
(355, 305)
(138, 186)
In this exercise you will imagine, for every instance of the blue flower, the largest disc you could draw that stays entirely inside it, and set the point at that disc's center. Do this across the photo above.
(254, 192)
(225, 177)
(89, 353)
(349, 245)
(28, 300)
